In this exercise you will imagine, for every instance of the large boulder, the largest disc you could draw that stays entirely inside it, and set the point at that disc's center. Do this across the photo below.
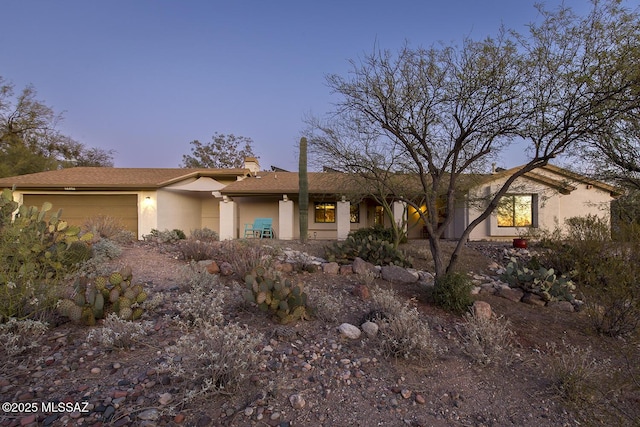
(394, 273)
(363, 267)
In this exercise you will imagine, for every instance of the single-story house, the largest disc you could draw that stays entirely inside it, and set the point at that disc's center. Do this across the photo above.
(225, 200)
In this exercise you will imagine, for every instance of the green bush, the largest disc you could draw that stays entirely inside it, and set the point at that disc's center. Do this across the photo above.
(588, 228)
(606, 272)
(369, 248)
(378, 232)
(452, 292)
(37, 249)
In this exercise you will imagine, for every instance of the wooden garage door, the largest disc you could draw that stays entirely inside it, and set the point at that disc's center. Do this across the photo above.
(77, 208)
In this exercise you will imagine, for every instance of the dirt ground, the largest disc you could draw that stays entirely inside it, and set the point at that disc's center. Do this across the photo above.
(341, 382)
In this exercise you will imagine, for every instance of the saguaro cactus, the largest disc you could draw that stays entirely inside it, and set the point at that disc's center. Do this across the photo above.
(303, 184)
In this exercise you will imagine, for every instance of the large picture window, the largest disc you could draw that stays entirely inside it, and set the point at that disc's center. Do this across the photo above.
(325, 212)
(516, 210)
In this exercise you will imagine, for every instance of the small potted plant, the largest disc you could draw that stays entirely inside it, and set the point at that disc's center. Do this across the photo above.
(521, 242)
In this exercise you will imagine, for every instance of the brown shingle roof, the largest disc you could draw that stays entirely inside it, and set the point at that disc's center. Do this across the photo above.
(287, 182)
(113, 178)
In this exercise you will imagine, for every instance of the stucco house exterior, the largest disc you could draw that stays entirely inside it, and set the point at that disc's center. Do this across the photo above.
(225, 200)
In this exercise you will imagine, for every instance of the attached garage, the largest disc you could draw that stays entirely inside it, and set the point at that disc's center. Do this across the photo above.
(77, 208)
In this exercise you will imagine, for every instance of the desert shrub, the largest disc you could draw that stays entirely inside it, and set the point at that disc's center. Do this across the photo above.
(486, 340)
(369, 248)
(204, 235)
(367, 278)
(403, 332)
(215, 359)
(196, 250)
(326, 305)
(606, 272)
(588, 228)
(104, 226)
(19, 336)
(165, 236)
(386, 301)
(245, 255)
(452, 292)
(118, 333)
(574, 372)
(203, 301)
(106, 249)
(35, 256)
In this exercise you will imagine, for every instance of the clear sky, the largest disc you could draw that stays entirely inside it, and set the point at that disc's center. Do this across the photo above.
(144, 78)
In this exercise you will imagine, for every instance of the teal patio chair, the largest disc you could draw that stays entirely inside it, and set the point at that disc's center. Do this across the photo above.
(261, 228)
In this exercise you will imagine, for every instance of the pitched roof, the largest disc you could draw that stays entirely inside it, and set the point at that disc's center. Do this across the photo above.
(563, 183)
(112, 178)
(287, 183)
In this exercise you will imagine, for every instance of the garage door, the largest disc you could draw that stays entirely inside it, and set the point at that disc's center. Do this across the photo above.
(77, 208)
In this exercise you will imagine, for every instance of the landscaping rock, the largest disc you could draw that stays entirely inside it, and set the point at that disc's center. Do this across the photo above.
(349, 331)
(561, 306)
(346, 270)
(533, 299)
(226, 269)
(514, 295)
(482, 310)
(213, 268)
(394, 273)
(361, 291)
(370, 328)
(284, 267)
(363, 267)
(331, 268)
(297, 401)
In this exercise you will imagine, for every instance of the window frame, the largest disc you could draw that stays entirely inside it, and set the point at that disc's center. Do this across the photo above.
(533, 207)
(323, 207)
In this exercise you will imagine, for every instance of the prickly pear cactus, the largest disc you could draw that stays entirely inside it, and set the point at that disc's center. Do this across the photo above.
(93, 300)
(281, 297)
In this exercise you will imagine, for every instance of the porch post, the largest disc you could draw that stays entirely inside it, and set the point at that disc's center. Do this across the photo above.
(285, 218)
(228, 219)
(399, 210)
(343, 218)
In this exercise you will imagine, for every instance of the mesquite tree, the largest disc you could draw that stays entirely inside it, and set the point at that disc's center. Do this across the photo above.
(224, 151)
(442, 114)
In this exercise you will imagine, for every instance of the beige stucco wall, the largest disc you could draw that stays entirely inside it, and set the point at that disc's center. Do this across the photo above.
(250, 208)
(553, 208)
(211, 213)
(178, 210)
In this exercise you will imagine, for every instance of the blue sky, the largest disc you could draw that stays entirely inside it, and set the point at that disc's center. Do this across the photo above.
(144, 78)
